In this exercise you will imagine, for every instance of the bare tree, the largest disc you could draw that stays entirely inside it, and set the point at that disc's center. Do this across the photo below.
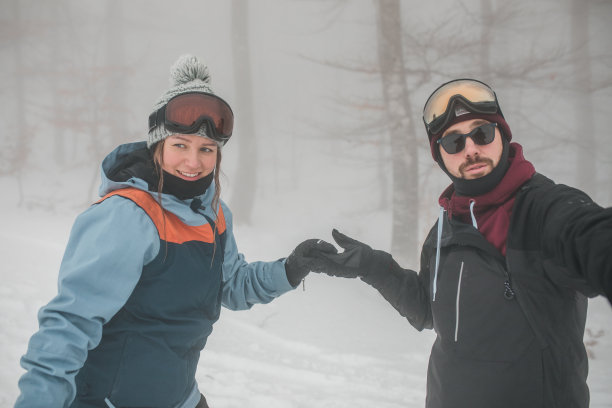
(246, 176)
(398, 113)
(55, 57)
(16, 151)
(586, 170)
(79, 94)
(106, 91)
(114, 58)
(485, 42)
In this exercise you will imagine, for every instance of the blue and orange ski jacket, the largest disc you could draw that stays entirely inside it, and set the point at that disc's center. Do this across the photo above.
(140, 287)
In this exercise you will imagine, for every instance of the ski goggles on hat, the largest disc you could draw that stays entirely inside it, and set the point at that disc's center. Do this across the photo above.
(482, 135)
(187, 113)
(455, 98)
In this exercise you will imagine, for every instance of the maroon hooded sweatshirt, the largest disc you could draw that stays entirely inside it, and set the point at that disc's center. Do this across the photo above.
(492, 210)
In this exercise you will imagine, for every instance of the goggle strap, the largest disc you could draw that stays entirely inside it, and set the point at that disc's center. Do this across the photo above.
(154, 118)
(490, 107)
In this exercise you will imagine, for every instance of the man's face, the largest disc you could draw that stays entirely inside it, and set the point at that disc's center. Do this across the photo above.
(474, 161)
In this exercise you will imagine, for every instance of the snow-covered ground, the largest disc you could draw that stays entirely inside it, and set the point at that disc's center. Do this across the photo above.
(335, 343)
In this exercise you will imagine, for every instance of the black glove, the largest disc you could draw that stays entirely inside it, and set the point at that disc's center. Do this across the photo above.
(304, 259)
(357, 260)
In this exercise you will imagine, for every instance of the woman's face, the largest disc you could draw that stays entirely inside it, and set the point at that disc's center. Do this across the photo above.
(189, 157)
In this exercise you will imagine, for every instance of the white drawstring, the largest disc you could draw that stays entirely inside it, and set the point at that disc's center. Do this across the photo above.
(457, 302)
(440, 222)
(474, 223)
(110, 404)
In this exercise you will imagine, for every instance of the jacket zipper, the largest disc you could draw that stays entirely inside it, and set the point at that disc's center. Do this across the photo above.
(508, 291)
(457, 302)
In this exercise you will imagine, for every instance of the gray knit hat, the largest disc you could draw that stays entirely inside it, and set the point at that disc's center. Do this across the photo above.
(187, 74)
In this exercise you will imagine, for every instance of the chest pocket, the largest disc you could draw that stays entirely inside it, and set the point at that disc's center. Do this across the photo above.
(471, 315)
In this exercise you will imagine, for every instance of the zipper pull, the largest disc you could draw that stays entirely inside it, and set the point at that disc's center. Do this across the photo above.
(508, 292)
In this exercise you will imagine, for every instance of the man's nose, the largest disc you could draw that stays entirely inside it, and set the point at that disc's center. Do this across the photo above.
(471, 149)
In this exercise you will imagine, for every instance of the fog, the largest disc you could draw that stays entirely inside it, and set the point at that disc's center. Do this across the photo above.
(81, 76)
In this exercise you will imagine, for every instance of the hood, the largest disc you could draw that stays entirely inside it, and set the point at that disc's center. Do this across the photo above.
(128, 166)
(519, 171)
(491, 210)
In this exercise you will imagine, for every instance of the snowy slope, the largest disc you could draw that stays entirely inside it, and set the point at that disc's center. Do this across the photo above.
(335, 344)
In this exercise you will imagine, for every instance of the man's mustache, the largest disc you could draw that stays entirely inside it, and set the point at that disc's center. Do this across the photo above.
(470, 162)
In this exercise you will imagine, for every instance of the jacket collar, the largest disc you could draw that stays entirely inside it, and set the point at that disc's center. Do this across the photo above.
(519, 171)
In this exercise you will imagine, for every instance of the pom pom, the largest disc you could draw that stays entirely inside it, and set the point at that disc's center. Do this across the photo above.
(186, 69)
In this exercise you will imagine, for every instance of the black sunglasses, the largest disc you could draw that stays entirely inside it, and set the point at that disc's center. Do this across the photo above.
(482, 135)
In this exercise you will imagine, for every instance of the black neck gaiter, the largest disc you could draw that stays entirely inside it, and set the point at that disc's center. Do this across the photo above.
(141, 164)
(184, 189)
(481, 185)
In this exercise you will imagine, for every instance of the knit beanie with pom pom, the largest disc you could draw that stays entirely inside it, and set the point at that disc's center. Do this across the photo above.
(187, 75)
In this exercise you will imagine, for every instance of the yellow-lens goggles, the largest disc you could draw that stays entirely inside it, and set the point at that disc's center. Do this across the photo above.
(473, 95)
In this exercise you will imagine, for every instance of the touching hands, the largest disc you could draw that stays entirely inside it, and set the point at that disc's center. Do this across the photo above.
(306, 257)
(353, 262)
(358, 260)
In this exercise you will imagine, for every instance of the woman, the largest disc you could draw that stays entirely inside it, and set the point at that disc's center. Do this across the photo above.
(148, 267)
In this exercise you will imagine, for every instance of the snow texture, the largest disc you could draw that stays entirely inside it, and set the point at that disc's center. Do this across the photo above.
(335, 344)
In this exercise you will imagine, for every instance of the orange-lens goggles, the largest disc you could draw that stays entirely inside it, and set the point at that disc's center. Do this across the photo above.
(469, 94)
(187, 113)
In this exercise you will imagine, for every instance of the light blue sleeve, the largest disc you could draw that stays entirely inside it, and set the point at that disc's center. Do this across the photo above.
(108, 246)
(244, 283)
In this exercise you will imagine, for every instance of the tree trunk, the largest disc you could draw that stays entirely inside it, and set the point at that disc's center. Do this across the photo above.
(21, 151)
(586, 172)
(404, 155)
(485, 41)
(57, 15)
(114, 59)
(246, 140)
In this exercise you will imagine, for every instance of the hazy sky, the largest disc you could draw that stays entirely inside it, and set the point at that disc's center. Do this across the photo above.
(314, 123)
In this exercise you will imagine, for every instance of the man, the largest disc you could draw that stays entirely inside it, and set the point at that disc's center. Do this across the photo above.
(505, 272)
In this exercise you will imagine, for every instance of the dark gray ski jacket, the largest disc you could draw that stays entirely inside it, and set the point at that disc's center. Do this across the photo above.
(509, 329)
